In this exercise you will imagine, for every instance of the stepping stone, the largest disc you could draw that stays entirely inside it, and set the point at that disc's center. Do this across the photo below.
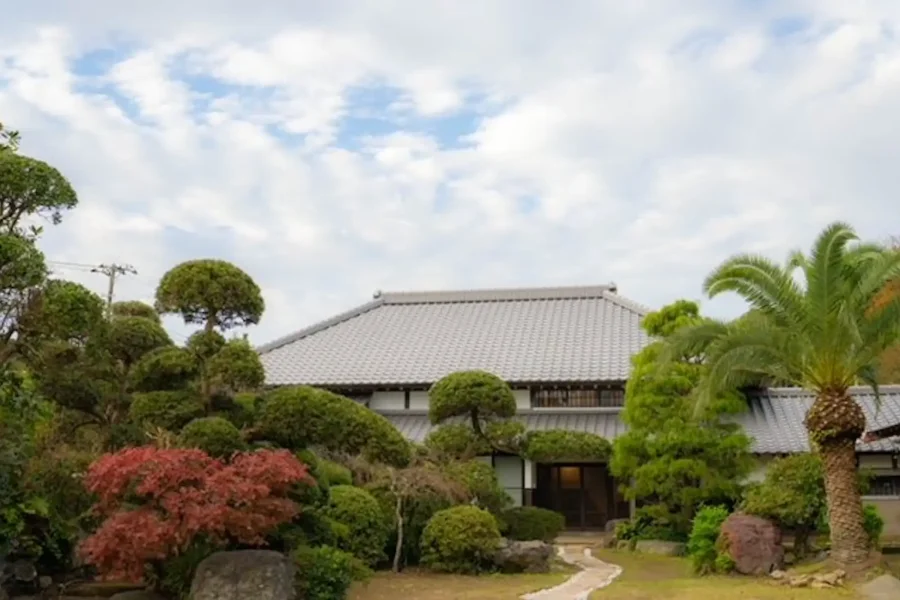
(595, 574)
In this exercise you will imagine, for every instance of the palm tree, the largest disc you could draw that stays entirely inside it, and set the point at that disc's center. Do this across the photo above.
(824, 331)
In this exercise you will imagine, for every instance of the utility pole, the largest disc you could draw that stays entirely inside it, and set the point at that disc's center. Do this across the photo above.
(112, 271)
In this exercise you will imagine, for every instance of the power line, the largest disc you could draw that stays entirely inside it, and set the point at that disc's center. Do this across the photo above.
(112, 271)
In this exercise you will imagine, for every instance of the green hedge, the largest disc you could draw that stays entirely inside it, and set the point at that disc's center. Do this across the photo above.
(558, 445)
(367, 525)
(214, 435)
(298, 417)
(532, 523)
(462, 539)
(169, 410)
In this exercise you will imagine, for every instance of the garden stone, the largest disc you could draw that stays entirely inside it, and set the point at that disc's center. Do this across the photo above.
(778, 574)
(257, 574)
(660, 547)
(832, 578)
(753, 543)
(44, 582)
(24, 571)
(532, 556)
(611, 525)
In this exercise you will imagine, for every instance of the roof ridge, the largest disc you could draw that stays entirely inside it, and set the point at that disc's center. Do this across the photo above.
(892, 388)
(606, 291)
(320, 326)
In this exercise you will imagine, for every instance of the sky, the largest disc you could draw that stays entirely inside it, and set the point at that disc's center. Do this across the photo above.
(335, 148)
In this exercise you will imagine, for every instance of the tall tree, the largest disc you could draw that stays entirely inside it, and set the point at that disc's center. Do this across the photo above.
(214, 293)
(674, 459)
(825, 334)
(30, 187)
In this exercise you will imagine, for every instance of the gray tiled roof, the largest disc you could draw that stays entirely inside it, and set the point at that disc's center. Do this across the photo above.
(415, 427)
(521, 335)
(774, 420)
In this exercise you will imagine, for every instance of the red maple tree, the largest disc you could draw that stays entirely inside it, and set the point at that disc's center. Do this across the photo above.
(156, 502)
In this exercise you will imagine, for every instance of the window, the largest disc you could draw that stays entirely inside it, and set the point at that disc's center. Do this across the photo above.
(885, 485)
(578, 398)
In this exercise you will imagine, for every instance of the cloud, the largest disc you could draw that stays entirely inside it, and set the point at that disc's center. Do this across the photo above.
(338, 148)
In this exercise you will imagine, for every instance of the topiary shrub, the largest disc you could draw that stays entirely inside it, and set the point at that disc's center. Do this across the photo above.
(334, 473)
(560, 445)
(532, 523)
(478, 395)
(326, 573)
(168, 368)
(456, 441)
(299, 417)
(367, 525)
(701, 546)
(480, 480)
(462, 539)
(214, 435)
(169, 410)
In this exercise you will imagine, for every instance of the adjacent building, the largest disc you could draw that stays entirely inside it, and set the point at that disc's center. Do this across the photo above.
(566, 353)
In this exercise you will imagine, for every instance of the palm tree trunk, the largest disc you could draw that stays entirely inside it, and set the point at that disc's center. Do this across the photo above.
(849, 541)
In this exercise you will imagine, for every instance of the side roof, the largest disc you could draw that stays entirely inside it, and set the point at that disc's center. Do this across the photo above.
(526, 335)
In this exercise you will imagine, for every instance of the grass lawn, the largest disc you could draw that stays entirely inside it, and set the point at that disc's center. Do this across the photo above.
(422, 585)
(655, 578)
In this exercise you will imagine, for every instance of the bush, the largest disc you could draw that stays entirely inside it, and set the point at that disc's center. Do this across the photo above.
(334, 473)
(559, 445)
(299, 417)
(462, 539)
(367, 525)
(169, 410)
(480, 481)
(701, 546)
(456, 441)
(325, 573)
(177, 572)
(474, 394)
(532, 523)
(652, 523)
(156, 503)
(214, 435)
(168, 368)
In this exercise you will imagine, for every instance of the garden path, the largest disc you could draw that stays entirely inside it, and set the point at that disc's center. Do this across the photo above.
(595, 574)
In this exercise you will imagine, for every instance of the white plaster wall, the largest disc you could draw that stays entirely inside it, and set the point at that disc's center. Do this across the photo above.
(523, 398)
(387, 401)
(418, 400)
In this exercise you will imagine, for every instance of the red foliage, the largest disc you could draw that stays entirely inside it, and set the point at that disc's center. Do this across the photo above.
(156, 502)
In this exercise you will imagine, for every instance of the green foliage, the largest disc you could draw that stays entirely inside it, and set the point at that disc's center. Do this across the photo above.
(23, 271)
(205, 344)
(177, 572)
(214, 435)
(165, 369)
(480, 481)
(213, 292)
(236, 366)
(455, 441)
(30, 187)
(326, 573)
(128, 339)
(169, 410)
(9, 139)
(135, 308)
(724, 563)
(559, 445)
(69, 311)
(533, 523)
(299, 417)
(334, 473)
(462, 539)
(671, 318)
(701, 545)
(477, 395)
(652, 522)
(672, 456)
(367, 526)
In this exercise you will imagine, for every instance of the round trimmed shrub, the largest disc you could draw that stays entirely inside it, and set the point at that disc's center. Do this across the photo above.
(462, 539)
(326, 573)
(168, 368)
(367, 525)
(533, 523)
(169, 410)
(475, 394)
(481, 484)
(334, 473)
(214, 435)
(299, 417)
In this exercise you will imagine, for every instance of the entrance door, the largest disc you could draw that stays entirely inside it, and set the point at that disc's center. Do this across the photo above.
(579, 492)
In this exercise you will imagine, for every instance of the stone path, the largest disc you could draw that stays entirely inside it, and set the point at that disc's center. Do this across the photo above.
(595, 574)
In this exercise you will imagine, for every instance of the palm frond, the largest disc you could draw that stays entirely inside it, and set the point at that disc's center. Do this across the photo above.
(825, 271)
(689, 342)
(763, 284)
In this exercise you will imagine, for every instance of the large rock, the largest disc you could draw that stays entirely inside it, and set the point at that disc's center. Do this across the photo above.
(659, 547)
(753, 543)
(244, 574)
(531, 556)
